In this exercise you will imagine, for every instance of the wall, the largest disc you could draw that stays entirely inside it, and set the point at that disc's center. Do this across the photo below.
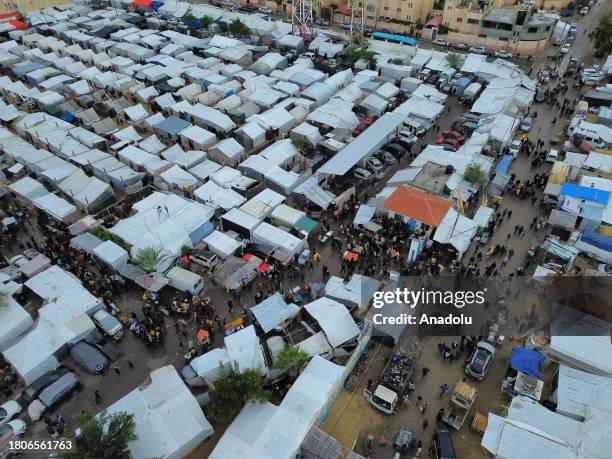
(494, 44)
(28, 5)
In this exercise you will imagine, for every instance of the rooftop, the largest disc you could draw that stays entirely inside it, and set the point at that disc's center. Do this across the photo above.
(418, 205)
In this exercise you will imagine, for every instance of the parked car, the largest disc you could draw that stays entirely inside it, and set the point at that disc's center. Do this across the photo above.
(60, 389)
(308, 55)
(109, 324)
(552, 156)
(204, 258)
(375, 165)
(453, 135)
(584, 11)
(331, 63)
(31, 392)
(544, 76)
(362, 174)
(345, 25)
(565, 48)
(503, 54)
(8, 411)
(558, 41)
(515, 147)
(10, 431)
(442, 443)
(265, 10)
(540, 95)
(370, 119)
(359, 129)
(526, 124)
(440, 42)
(459, 46)
(386, 157)
(484, 237)
(449, 143)
(480, 361)
(478, 50)
(406, 139)
(89, 358)
(395, 149)
(322, 22)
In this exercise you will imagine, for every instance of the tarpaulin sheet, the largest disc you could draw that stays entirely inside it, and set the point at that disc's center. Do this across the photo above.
(597, 240)
(526, 361)
(504, 164)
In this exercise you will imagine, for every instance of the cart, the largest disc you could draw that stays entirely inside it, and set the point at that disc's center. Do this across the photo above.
(479, 423)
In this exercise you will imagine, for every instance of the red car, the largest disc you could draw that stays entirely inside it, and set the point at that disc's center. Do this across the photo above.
(370, 120)
(453, 135)
(359, 129)
(450, 143)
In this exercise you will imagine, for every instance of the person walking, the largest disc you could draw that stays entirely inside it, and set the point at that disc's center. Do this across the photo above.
(443, 388)
(425, 370)
(425, 424)
(97, 397)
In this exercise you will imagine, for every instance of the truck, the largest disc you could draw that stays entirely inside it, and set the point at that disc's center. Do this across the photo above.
(459, 405)
(184, 280)
(472, 91)
(389, 389)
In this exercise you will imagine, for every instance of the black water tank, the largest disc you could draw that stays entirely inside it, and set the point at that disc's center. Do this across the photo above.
(449, 170)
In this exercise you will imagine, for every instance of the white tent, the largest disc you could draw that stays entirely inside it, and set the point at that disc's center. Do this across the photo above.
(278, 243)
(28, 189)
(176, 177)
(212, 194)
(456, 230)
(334, 319)
(244, 348)
(221, 244)
(274, 312)
(14, 321)
(111, 254)
(263, 431)
(169, 421)
(577, 391)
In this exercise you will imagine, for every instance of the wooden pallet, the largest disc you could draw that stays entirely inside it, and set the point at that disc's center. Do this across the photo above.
(479, 423)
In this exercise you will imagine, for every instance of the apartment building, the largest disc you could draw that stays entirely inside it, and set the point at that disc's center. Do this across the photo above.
(519, 29)
(28, 5)
(400, 16)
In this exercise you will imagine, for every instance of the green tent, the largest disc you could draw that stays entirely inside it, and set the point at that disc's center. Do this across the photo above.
(305, 224)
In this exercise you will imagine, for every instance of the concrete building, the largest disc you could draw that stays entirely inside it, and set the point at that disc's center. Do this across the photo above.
(400, 16)
(28, 5)
(484, 23)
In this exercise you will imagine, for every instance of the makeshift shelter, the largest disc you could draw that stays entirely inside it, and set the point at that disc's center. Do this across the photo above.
(111, 254)
(218, 197)
(578, 392)
(234, 273)
(168, 419)
(263, 431)
(274, 312)
(14, 322)
(221, 244)
(357, 292)
(334, 319)
(277, 243)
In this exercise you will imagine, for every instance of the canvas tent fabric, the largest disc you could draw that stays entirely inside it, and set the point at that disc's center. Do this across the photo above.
(14, 321)
(111, 254)
(233, 272)
(456, 230)
(276, 242)
(358, 291)
(334, 319)
(221, 244)
(263, 431)
(273, 312)
(169, 421)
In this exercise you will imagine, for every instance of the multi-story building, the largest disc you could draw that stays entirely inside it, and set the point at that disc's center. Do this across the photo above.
(401, 16)
(28, 5)
(519, 30)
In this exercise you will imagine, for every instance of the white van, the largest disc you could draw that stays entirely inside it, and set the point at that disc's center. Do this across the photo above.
(552, 156)
(184, 280)
(415, 127)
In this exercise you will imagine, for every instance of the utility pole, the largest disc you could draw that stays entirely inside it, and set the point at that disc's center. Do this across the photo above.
(357, 16)
(302, 20)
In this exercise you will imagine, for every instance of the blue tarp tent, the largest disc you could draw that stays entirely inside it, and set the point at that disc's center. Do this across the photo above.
(597, 240)
(504, 164)
(395, 38)
(156, 4)
(584, 192)
(526, 361)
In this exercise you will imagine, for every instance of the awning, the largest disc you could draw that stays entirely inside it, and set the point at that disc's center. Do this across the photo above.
(141, 3)
(18, 25)
(305, 224)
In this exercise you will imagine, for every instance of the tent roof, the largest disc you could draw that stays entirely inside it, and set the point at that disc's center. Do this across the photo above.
(334, 319)
(273, 311)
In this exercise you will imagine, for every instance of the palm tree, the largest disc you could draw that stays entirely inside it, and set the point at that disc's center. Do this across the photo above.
(289, 359)
(455, 60)
(148, 258)
(205, 22)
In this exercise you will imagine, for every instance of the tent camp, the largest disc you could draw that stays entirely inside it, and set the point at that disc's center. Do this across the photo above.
(169, 421)
(263, 431)
(14, 321)
(273, 312)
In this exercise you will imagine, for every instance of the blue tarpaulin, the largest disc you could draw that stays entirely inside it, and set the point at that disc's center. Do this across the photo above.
(504, 164)
(526, 361)
(156, 5)
(584, 192)
(67, 116)
(598, 240)
(395, 38)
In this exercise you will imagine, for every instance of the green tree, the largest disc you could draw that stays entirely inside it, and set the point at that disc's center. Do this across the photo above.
(4, 296)
(278, 5)
(397, 61)
(301, 143)
(602, 37)
(148, 258)
(205, 22)
(474, 174)
(363, 53)
(238, 28)
(106, 436)
(233, 389)
(289, 359)
(455, 60)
